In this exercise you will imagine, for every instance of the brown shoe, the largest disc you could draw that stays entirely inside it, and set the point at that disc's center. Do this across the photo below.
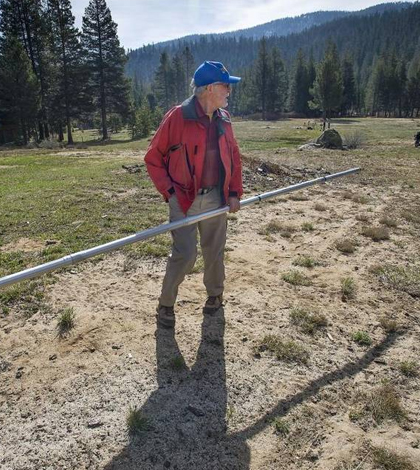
(213, 304)
(165, 316)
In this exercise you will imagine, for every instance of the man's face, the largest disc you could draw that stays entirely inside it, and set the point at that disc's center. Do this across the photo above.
(220, 94)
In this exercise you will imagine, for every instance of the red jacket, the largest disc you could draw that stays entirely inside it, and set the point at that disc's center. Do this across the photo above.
(175, 156)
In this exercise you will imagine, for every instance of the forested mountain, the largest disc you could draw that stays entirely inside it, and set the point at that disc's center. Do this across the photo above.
(239, 46)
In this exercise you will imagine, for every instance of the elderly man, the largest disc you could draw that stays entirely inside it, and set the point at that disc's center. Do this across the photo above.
(194, 162)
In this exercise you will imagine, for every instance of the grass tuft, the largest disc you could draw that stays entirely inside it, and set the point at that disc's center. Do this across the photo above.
(386, 459)
(406, 279)
(362, 338)
(320, 207)
(384, 403)
(275, 226)
(376, 234)
(346, 246)
(137, 423)
(296, 278)
(305, 261)
(348, 288)
(65, 322)
(288, 351)
(409, 368)
(308, 227)
(386, 220)
(308, 322)
(281, 426)
(177, 363)
(389, 325)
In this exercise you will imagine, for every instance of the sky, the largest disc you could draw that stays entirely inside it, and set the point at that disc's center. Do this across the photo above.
(151, 21)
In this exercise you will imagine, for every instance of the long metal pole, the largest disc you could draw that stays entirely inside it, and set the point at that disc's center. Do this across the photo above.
(152, 232)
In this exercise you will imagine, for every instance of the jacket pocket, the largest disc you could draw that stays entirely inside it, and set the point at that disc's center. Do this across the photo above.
(179, 167)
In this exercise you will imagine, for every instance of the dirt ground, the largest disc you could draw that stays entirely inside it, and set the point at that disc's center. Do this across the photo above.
(64, 402)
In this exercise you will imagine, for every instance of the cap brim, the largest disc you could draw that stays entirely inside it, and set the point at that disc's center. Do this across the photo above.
(234, 79)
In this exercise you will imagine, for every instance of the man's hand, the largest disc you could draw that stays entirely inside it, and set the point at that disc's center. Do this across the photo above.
(233, 203)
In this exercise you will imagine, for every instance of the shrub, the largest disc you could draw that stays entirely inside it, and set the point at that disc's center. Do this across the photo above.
(307, 227)
(388, 324)
(386, 220)
(386, 459)
(281, 426)
(320, 207)
(406, 279)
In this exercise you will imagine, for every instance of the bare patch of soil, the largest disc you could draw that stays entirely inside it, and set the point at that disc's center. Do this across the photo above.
(24, 244)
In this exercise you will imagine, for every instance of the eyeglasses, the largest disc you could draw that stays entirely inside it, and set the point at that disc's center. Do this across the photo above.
(226, 85)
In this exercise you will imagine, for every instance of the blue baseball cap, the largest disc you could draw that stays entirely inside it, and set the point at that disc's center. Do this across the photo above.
(211, 72)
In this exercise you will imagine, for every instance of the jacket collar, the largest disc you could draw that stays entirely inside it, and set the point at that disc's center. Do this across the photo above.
(189, 110)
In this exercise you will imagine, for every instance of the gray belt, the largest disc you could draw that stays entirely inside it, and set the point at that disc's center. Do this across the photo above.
(205, 190)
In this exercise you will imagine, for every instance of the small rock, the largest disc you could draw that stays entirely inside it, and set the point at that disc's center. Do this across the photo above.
(195, 410)
(19, 373)
(116, 346)
(312, 455)
(50, 242)
(5, 366)
(94, 424)
(53, 357)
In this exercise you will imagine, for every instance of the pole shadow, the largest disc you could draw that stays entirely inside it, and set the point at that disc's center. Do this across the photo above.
(188, 409)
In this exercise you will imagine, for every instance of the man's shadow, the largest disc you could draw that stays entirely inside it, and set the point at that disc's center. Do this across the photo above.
(188, 410)
(187, 413)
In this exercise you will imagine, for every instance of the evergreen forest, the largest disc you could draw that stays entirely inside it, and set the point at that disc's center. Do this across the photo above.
(55, 77)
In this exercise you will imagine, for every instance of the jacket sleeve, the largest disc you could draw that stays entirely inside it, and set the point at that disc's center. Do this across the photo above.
(156, 152)
(235, 186)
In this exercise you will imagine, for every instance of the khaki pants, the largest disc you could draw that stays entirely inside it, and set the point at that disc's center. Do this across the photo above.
(184, 247)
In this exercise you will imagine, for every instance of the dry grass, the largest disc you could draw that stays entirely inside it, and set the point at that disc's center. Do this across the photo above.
(389, 325)
(305, 261)
(308, 322)
(296, 278)
(320, 207)
(406, 279)
(308, 227)
(348, 288)
(362, 217)
(388, 221)
(376, 234)
(346, 246)
(384, 404)
(285, 230)
(409, 368)
(386, 459)
(288, 351)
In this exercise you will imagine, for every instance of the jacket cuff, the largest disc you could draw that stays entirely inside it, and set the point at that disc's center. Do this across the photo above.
(233, 194)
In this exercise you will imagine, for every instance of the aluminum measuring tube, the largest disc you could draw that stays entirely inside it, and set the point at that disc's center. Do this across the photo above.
(152, 232)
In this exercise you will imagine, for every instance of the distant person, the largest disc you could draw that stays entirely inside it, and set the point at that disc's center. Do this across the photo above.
(417, 140)
(194, 162)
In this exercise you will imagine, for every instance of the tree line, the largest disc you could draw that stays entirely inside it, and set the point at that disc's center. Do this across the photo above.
(52, 75)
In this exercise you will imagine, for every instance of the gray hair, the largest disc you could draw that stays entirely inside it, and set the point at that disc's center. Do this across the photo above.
(197, 90)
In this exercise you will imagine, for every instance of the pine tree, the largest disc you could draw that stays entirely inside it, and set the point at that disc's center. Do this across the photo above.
(105, 59)
(18, 89)
(299, 91)
(179, 78)
(164, 86)
(349, 90)
(261, 77)
(26, 20)
(277, 86)
(66, 45)
(328, 86)
(188, 60)
(413, 87)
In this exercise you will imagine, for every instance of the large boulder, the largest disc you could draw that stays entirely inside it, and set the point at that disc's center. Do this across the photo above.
(330, 139)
